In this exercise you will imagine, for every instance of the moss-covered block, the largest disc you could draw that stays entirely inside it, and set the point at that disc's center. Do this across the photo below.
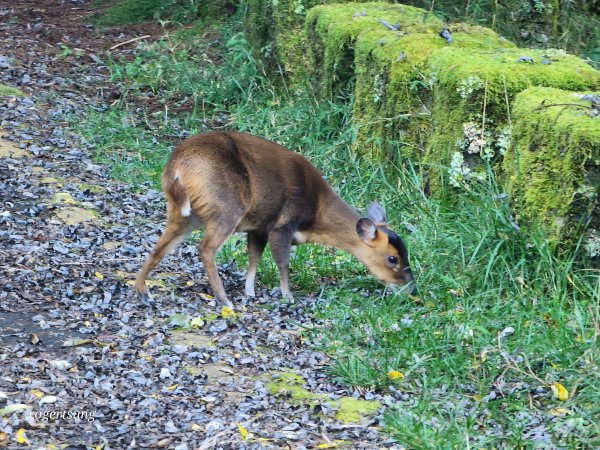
(552, 166)
(393, 93)
(332, 31)
(473, 90)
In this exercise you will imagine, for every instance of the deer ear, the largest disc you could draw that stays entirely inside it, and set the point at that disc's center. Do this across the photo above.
(377, 214)
(366, 230)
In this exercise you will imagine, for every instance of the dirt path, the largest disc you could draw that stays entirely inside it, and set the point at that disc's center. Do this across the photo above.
(81, 362)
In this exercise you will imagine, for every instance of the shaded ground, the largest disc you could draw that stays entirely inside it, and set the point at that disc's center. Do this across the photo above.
(72, 337)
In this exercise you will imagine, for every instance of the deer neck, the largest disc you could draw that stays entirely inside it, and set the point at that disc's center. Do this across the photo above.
(336, 225)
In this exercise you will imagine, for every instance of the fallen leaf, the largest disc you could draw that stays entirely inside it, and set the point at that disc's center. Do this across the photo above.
(559, 412)
(75, 342)
(197, 322)
(179, 320)
(13, 408)
(20, 436)
(48, 399)
(243, 431)
(227, 312)
(395, 375)
(37, 393)
(99, 275)
(560, 391)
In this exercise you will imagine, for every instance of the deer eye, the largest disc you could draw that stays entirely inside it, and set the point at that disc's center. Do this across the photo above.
(393, 259)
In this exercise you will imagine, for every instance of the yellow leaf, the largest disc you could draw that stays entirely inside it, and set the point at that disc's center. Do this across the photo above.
(172, 387)
(331, 444)
(429, 304)
(243, 431)
(37, 393)
(189, 283)
(99, 275)
(395, 375)
(197, 427)
(484, 355)
(559, 411)
(227, 312)
(20, 436)
(560, 391)
(197, 322)
(478, 397)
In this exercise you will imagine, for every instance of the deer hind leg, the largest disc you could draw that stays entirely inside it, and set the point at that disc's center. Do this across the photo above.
(256, 246)
(177, 230)
(281, 242)
(215, 237)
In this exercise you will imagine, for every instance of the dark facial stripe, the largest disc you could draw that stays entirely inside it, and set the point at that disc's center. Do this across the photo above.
(398, 244)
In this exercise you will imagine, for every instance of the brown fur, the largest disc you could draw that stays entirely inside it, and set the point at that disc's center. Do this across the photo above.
(239, 182)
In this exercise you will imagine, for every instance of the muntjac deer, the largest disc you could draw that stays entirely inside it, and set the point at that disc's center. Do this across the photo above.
(226, 182)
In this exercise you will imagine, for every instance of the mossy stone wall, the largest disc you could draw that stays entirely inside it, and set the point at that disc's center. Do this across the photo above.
(552, 167)
(473, 91)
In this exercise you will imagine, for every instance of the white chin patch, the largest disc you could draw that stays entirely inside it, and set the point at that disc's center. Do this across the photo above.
(186, 209)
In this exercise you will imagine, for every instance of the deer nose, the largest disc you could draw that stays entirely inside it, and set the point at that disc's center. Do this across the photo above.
(409, 282)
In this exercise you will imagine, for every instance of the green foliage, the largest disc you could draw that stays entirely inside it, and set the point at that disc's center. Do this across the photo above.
(124, 12)
(498, 310)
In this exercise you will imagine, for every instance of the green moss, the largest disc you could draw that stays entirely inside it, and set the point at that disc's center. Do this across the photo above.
(332, 31)
(9, 91)
(349, 409)
(473, 91)
(552, 167)
(393, 95)
(90, 187)
(353, 409)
